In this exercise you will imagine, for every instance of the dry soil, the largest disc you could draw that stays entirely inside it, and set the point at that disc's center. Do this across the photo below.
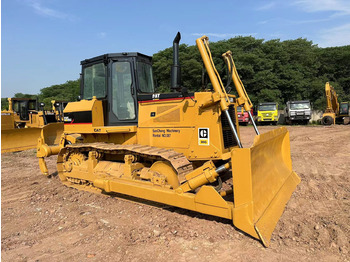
(42, 220)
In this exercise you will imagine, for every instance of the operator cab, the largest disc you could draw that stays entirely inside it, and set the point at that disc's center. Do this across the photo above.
(344, 109)
(117, 79)
(121, 81)
(23, 106)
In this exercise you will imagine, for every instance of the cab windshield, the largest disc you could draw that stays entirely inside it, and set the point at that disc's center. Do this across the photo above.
(267, 107)
(24, 105)
(296, 106)
(344, 108)
(94, 81)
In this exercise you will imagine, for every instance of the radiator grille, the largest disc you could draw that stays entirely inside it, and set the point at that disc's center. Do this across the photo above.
(227, 134)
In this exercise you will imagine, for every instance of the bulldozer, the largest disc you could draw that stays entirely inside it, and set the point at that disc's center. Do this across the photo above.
(23, 123)
(336, 113)
(181, 149)
(57, 107)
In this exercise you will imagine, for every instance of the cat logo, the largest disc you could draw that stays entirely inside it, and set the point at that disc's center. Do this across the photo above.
(203, 136)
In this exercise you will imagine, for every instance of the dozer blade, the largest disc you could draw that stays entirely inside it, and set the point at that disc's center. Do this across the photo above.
(263, 182)
(14, 140)
(19, 139)
(52, 133)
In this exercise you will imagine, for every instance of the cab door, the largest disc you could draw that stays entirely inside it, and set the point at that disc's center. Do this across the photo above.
(122, 98)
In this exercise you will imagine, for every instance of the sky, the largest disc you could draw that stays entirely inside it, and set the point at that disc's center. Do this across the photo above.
(43, 41)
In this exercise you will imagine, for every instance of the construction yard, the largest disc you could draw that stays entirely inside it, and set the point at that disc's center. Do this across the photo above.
(43, 220)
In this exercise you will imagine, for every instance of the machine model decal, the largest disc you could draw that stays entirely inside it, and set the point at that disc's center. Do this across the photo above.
(165, 133)
(203, 136)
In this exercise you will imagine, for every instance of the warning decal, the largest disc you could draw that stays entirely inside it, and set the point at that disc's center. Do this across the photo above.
(203, 136)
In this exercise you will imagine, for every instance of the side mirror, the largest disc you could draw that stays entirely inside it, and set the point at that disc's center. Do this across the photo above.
(78, 97)
(57, 104)
(41, 105)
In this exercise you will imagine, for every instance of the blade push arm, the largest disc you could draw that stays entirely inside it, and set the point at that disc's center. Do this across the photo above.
(243, 98)
(215, 79)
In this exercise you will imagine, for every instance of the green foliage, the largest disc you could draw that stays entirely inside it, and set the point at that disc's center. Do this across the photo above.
(4, 104)
(68, 91)
(270, 70)
(21, 95)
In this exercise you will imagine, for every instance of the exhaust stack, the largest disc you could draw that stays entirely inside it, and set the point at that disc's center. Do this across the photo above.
(176, 68)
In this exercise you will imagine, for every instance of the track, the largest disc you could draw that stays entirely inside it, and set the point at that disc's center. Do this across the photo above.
(147, 153)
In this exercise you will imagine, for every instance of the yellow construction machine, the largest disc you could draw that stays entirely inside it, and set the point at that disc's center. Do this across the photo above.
(335, 112)
(23, 123)
(181, 149)
(57, 107)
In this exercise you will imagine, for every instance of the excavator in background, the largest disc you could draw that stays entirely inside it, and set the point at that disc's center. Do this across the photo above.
(23, 123)
(335, 112)
(181, 149)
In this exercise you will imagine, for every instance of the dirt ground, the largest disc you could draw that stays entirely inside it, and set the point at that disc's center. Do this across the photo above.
(42, 220)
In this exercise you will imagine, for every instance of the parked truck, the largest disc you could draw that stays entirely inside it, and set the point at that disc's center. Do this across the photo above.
(243, 116)
(267, 113)
(298, 112)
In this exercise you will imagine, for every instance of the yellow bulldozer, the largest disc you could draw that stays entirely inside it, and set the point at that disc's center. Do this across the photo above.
(181, 149)
(57, 107)
(336, 113)
(23, 123)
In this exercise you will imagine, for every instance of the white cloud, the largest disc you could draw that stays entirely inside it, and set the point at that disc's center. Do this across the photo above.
(266, 6)
(48, 12)
(339, 7)
(263, 22)
(337, 36)
(299, 22)
(102, 34)
(224, 35)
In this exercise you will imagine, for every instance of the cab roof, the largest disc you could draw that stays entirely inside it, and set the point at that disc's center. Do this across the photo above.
(114, 55)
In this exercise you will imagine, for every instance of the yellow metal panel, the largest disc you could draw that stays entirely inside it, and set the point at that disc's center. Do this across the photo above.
(83, 105)
(183, 136)
(97, 113)
(90, 129)
(263, 182)
(177, 137)
(7, 120)
(267, 222)
(209, 201)
(166, 196)
(52, 133)
(19, 139)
